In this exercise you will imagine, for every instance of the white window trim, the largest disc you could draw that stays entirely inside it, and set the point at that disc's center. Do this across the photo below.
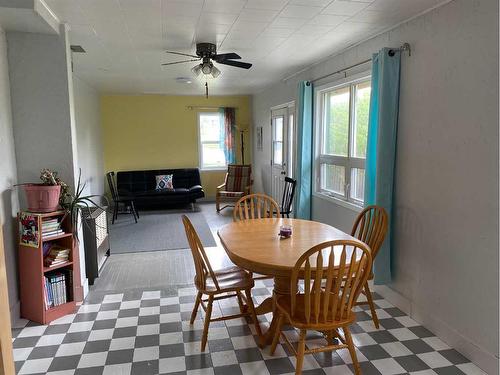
(200, 148)
(352, 204)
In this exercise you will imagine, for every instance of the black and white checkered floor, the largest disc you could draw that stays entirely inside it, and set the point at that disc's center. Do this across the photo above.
(148, 332)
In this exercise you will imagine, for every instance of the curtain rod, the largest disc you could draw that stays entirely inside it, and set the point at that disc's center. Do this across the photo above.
(191, 107)
(404, 47)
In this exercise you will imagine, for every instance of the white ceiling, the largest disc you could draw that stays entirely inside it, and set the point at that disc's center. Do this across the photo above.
(125, 40)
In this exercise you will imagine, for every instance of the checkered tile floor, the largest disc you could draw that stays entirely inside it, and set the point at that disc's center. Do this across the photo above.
(148, 332)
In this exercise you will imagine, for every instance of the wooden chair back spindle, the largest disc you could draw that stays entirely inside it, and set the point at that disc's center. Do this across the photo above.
(288, 194)
(255, 206)
(200, 258)
(331, 290)
(370, 227)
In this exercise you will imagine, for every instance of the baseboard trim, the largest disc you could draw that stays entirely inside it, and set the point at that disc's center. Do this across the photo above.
(485, 360)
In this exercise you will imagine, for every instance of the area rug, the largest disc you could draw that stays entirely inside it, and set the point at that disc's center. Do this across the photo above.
(156, 230)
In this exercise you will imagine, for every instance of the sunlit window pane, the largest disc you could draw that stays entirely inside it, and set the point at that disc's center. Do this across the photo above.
(333, 178)
(278, 153)
(210, 128)
(278, 129)
(336, 122)
(362, 107)
(358, 183)
(213, 155)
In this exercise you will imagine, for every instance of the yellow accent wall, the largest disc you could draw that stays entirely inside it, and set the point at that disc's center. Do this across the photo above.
(158, 131)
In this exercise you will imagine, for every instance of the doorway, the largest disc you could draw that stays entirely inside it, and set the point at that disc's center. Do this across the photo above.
(282, 148)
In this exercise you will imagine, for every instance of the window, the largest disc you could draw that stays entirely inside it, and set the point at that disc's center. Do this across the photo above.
(342, 135)
(211, 141)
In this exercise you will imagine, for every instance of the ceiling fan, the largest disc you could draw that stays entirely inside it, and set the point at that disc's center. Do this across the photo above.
(207, 53)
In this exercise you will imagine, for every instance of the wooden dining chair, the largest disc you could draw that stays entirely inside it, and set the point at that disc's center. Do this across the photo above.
(333, 274)
(371, 227)
(217, 285)
(255, 206)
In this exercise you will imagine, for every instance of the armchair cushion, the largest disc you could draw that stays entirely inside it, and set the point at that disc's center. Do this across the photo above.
(239, 177)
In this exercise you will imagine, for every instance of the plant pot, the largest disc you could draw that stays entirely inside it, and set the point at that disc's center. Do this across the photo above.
(42, 198)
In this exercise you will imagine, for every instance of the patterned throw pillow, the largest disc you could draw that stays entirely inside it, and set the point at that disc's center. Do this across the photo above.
(164, 181)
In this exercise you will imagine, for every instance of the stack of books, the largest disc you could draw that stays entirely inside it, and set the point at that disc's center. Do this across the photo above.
(51, 228)
(56, 256)
(56, 289)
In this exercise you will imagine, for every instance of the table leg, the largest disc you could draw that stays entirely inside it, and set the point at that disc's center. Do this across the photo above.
(281, 287)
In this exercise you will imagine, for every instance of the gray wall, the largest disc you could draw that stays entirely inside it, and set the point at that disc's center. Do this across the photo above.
(446, 198)
(8, 177)
(41, 105)
(43, 115)
(88, 136)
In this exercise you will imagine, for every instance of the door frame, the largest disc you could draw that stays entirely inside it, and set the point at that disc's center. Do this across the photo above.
(290, 143)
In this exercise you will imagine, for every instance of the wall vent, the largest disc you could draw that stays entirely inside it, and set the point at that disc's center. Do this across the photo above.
(77, 49)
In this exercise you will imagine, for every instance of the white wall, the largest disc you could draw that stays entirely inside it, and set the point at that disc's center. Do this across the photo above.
(446, 187)
(88, 136)
(43, 111)
(8, 177)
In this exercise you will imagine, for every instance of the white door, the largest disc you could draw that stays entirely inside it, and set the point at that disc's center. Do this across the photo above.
(279, 151)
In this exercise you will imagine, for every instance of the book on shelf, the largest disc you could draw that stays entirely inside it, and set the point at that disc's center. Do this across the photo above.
(53, 233)
(56, 288)
(56, 256)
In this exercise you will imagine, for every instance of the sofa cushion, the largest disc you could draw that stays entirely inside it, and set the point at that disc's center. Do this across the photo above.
(164, 181)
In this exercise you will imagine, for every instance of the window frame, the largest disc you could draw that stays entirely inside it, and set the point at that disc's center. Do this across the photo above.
(348, 162)
(201, 143)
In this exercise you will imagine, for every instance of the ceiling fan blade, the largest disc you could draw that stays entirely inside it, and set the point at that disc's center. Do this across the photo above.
(180, 62)
(181, 54)
(226, 56)
(238, 64)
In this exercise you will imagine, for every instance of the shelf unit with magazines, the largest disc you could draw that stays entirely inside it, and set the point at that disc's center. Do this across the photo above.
(49, 267)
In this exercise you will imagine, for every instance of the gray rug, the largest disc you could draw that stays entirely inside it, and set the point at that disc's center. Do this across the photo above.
(156, 230)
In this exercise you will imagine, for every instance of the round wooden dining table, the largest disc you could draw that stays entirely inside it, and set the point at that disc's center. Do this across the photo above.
(255, 245)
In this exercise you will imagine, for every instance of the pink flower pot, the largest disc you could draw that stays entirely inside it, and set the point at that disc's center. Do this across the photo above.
(42, 198)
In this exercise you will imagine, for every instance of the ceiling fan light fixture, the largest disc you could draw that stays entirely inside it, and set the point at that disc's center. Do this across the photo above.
(215, 72)
(196, 70)
(206, 68)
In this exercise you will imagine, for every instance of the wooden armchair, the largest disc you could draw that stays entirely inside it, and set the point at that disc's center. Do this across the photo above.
(237, 183)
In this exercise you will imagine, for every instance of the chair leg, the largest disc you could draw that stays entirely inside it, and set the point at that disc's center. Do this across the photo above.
(352, 350)
(136, 210)
(240, 303)
(276, 337)
(372, 305)
(208, 315)
(132, 207)
(300, 352)
(195, 308)
(217, 204)
(251, 306)
(115, 213)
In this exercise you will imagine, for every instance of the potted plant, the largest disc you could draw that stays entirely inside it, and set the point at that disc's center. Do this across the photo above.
(45, 196)
(75, 204)
(53, 194)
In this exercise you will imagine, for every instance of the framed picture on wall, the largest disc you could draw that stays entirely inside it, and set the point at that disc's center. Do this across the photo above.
(259, 138)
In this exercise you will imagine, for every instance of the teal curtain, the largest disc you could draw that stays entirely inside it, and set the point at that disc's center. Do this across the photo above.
(304, 150)
(227, 130)
(381, 147)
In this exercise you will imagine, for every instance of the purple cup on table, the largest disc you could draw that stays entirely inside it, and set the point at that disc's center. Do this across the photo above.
(285, 231)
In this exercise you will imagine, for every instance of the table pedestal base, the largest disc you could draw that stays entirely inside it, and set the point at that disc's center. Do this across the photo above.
(281, 288)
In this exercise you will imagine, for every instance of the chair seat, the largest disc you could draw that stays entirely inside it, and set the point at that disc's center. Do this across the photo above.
(229, 279)
(298, 320)
(231, 194)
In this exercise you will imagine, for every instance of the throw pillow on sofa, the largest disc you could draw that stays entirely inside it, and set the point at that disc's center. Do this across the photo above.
(164, 181)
